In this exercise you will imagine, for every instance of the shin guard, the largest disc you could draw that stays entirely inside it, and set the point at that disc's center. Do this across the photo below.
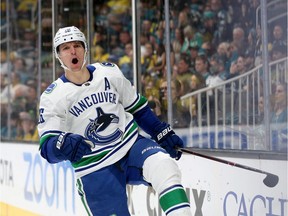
(164, 175)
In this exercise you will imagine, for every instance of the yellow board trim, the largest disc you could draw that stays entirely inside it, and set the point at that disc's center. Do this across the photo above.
(9, 210)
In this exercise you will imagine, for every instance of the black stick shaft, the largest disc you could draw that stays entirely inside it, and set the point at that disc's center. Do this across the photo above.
(223, 161)
(270, 180)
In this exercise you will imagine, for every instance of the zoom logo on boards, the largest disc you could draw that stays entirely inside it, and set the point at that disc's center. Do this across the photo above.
(49, 184)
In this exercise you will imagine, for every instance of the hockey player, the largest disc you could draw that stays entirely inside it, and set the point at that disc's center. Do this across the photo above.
(90, 116)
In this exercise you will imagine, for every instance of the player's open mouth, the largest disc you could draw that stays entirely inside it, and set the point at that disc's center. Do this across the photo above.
(74, 60)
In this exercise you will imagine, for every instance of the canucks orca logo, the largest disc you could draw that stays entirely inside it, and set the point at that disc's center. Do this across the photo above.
(100, 123)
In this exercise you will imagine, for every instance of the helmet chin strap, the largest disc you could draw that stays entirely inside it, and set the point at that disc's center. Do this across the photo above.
(85, 59)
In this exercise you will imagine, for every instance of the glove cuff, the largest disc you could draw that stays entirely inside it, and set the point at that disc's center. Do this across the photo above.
(61, 140)
(164, 133)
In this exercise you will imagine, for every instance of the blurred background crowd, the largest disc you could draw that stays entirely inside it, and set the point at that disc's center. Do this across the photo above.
(212, 41)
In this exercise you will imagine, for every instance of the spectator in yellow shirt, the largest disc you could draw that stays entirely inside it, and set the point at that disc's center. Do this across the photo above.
(28, 131)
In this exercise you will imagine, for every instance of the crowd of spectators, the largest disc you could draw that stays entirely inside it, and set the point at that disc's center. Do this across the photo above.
(211, 41)
(18, 73)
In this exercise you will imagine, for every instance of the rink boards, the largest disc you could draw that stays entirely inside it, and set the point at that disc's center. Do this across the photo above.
(31, 186)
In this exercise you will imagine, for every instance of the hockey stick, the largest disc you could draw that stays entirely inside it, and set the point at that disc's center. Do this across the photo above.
(270, 180)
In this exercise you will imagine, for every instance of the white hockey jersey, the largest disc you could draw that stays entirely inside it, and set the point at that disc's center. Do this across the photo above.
(99, 109)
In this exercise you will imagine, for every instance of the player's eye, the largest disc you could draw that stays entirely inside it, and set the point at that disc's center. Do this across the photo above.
(77, 45)
(65, 48)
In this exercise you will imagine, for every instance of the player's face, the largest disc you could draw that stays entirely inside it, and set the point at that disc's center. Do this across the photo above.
(72, 55)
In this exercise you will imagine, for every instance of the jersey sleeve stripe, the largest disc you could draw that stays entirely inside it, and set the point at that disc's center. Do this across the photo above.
(138, 104)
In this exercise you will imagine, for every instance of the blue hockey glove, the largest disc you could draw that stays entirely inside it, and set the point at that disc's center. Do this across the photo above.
(169, 141)
(72, 147)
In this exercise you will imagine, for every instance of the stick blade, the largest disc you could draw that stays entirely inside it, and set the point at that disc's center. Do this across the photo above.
(271, 180)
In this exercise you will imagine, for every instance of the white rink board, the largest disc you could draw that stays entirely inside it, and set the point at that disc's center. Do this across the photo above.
(29, 182)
